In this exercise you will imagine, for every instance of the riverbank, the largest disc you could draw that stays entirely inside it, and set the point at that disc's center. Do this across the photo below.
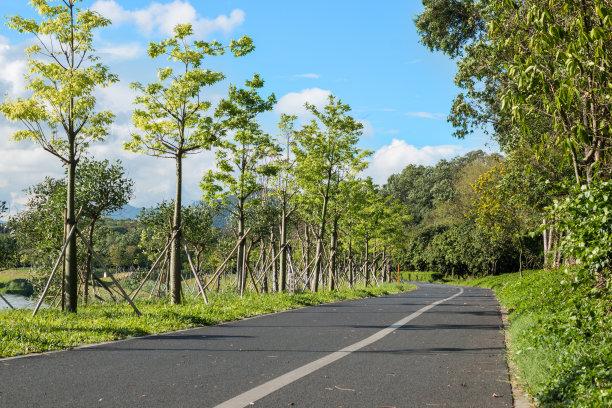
(560, 335)
(15, 281)
(51, 329)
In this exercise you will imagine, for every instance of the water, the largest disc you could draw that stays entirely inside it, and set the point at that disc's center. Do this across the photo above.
(18, 302)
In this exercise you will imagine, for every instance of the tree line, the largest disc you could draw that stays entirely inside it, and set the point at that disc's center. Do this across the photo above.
(534, 75)
(307, 179)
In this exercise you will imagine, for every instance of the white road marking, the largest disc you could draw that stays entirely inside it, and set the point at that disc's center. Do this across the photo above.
(245, 399)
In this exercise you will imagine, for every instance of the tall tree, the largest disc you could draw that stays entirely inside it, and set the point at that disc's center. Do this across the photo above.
(172, 115)
(240, 161)
(63, 74)
(326, 153)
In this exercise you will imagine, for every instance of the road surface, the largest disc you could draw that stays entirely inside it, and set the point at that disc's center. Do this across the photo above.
(438, 346)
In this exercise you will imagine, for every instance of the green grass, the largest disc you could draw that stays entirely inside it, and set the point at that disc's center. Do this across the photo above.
(53, 330)
(560, 335)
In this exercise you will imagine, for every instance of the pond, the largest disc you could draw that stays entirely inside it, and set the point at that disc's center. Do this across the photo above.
(18, 302)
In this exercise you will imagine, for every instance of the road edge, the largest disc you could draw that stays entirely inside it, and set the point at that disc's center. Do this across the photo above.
(520, 397)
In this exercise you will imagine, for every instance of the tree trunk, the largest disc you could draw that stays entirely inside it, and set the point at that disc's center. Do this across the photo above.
(240, 258)
(175, 248)
(275, 272)
(367, 262)
(307, 255)
(314, 283)
(331, 281)
(283, 249)
(350, 264)
(88, 272)
(70, 262)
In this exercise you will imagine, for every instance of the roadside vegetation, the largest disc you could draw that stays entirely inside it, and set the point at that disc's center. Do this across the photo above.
(290, 212)
(560, 334)
(51, 329)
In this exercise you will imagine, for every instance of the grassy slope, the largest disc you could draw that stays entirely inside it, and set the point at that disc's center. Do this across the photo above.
(52, 329)
(561, 336)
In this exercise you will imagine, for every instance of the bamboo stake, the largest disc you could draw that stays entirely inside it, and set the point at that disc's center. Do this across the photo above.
(125, 295)
(6, 301)
(220, 268)
(42, 296)
(135, 292)
(195, 274)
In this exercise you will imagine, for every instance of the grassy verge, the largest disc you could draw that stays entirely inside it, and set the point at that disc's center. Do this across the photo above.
(560, 335)
(53, 330)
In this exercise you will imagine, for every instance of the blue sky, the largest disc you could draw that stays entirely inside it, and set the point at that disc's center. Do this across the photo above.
(366, 53)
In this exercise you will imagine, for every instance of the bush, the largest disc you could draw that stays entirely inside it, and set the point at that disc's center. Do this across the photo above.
(585, 219)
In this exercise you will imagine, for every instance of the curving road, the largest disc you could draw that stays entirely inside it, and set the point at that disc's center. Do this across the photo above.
(438, 346)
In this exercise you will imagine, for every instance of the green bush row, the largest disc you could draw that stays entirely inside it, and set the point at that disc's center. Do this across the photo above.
(421, 276)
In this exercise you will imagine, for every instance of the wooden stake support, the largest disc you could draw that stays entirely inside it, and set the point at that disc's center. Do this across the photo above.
(6, 301)
(125, 295)
(59, 258)
(195, 274)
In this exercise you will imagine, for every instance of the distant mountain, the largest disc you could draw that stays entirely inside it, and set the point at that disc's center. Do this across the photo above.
(128, 212)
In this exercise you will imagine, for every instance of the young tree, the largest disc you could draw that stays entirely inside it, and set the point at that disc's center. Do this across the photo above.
(63, 74)
(239, 162)
(101, 188)
(172, 115)
(326, 153)
(284, 189)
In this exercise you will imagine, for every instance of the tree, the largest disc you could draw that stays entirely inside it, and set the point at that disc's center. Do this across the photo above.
(199, 231)
(326, 152)
(239, 161)
(560, 66)
(285, 188)
(62, 78)
(172, 115)
(101, 188)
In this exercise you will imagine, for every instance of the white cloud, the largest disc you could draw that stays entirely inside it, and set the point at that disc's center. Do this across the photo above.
(426, 115)
(368, 129)
(13, 68)
(293, 102)
(122, 51)
(393, 158)
(117, 98)
(310, 76)
(161, 18)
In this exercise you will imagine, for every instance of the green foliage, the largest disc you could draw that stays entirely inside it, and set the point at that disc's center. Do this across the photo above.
(101, 188)
(62, 88)
(561, 335)
(241, 161)
(448, 25)
(52, 330)
(421, 276)
(585, 218)
(442, 235)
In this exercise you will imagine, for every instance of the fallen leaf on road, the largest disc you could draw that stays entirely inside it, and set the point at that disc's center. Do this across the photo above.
(344, 389)
(497, 395)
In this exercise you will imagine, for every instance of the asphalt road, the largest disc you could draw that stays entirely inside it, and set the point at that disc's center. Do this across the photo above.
(380, 352)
